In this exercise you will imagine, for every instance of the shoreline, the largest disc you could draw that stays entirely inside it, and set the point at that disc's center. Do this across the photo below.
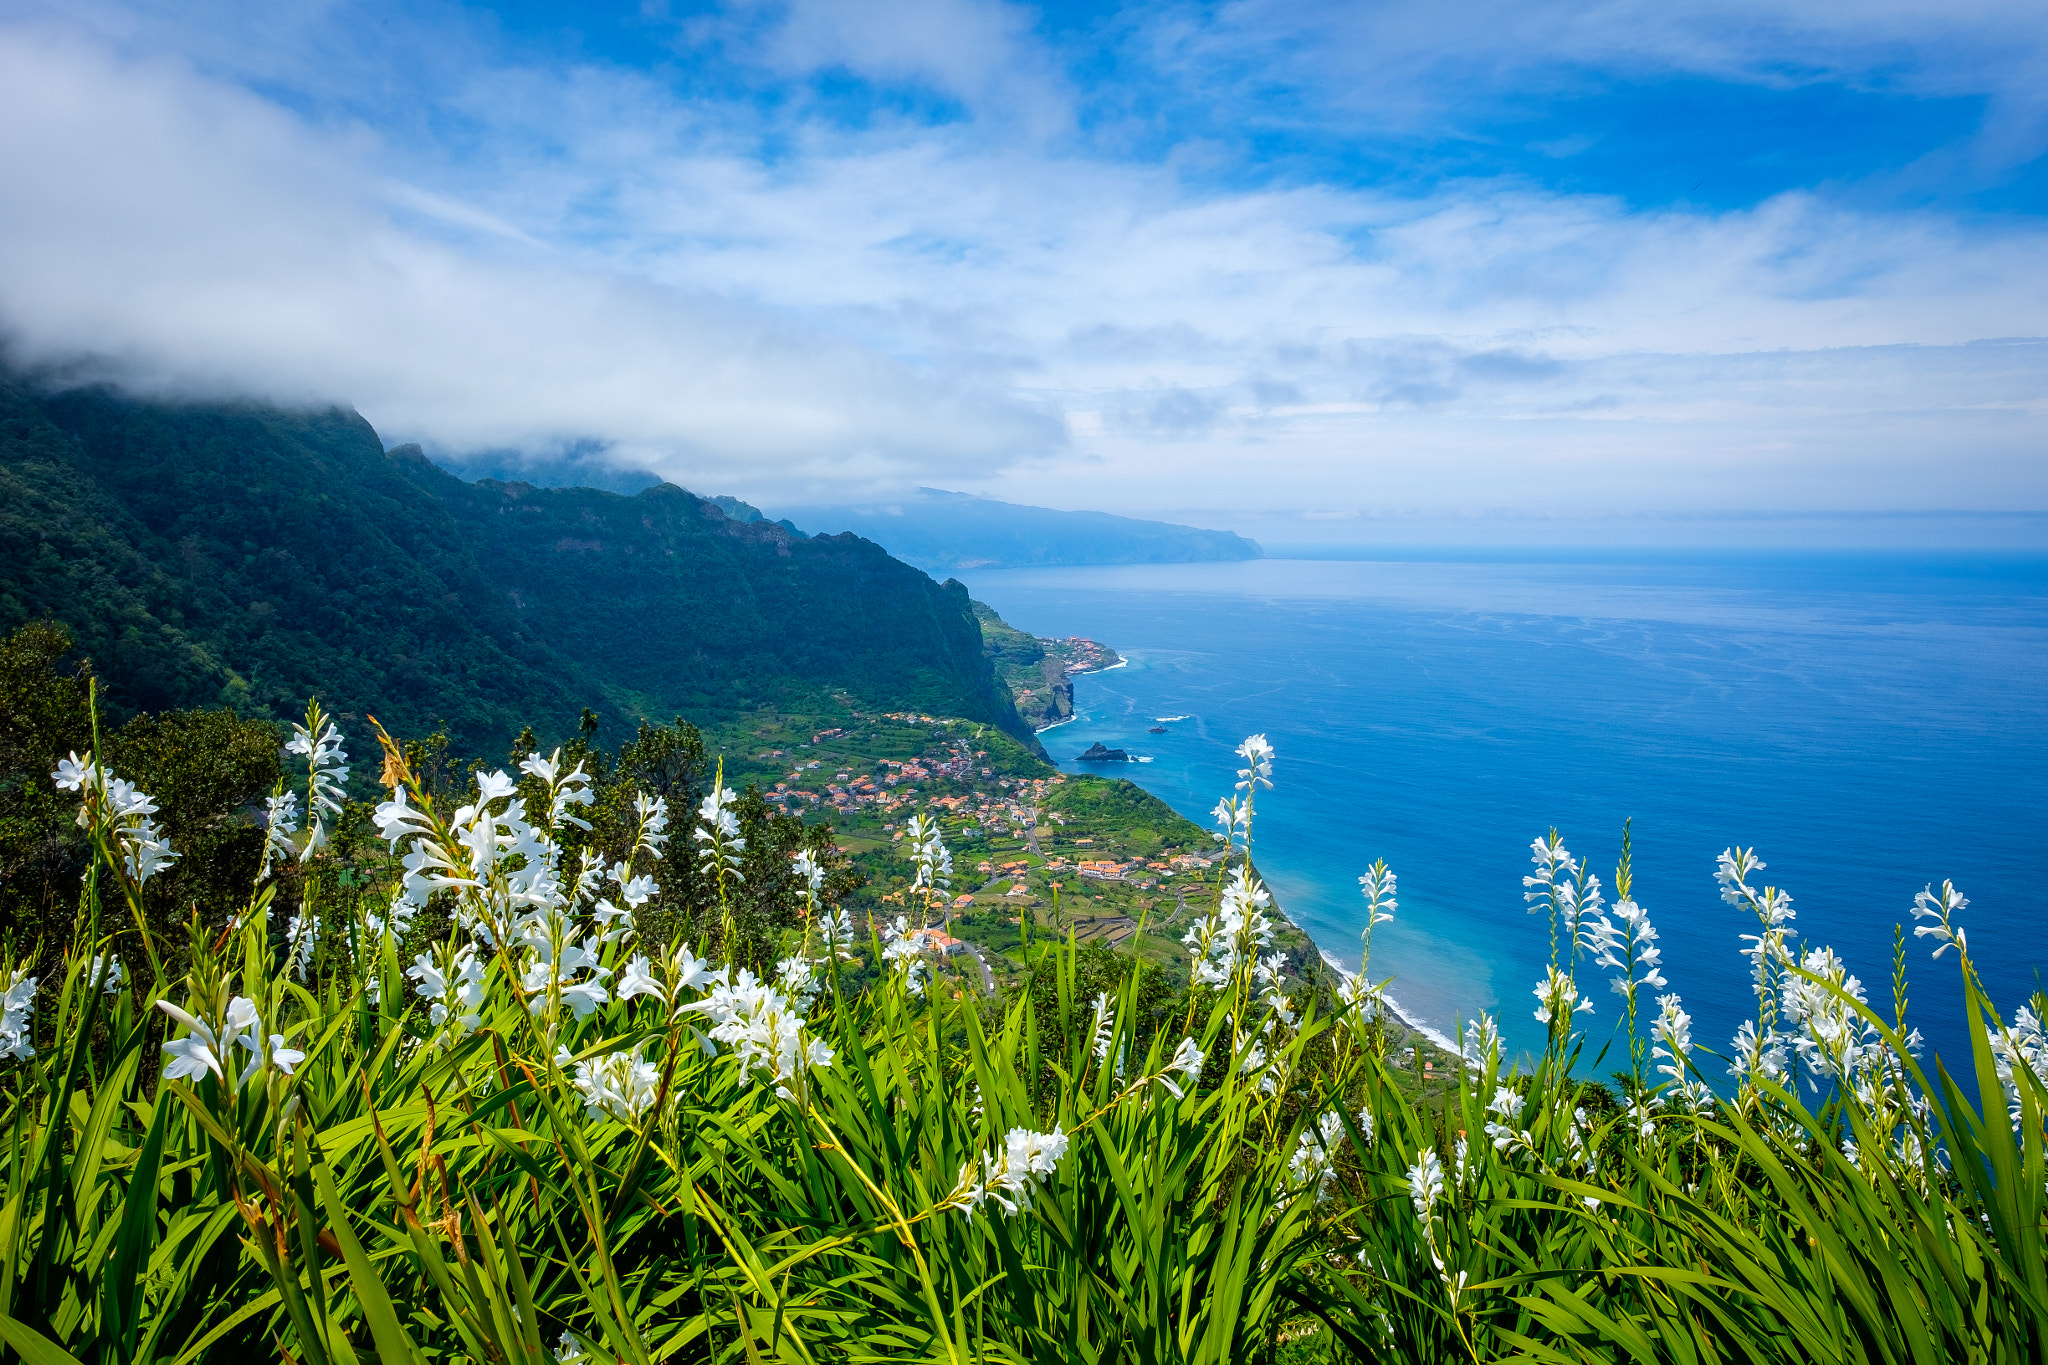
(1412, 1021)
(1085, 672)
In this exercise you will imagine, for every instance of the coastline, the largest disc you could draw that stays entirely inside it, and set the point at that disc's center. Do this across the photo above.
(1106, 668)
(1412, 1021)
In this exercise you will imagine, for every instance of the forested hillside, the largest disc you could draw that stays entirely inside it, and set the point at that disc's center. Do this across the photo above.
(238, 554)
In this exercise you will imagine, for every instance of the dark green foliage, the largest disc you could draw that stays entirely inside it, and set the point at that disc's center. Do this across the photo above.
(207, 770)
(670, 605)
(43, 716)
(242, 556)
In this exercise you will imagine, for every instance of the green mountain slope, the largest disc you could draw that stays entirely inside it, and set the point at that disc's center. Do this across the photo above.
(238, 554)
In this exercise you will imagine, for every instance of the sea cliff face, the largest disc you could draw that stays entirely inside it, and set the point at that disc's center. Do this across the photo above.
(1039, 672)
(252, 556)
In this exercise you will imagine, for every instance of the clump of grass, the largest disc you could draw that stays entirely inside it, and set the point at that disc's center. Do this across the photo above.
(541, 1131)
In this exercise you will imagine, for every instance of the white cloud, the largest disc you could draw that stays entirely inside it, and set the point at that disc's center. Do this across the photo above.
(900, 303)
(202, 240)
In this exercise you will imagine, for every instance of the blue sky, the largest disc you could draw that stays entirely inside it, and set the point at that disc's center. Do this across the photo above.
(1347, 267)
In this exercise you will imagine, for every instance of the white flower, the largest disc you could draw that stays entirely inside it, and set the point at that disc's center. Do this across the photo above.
(564, 790)
(2019, 1046)
(207, 1048)
(1481, 1043)
(1941, 909)
(808, 869)
(693, 971)
(493, 786)
(1187, 1061)
(1673, 1033)
(1258, 769)
(570, 1350)
(1234, 933)
(75, 773)
(652, 813)
(764, 1030)
(395, 820)
(1641, 1112)
(1378, 886)
(1557, 997)
(1507, 1134)
(1757, 1058)
(1833, 1039)
(192, 1056)
(719, 832)
(613, 923)
(622, 1084)
(799, 980)
(638, 979)
(1230, 816)
(1313, 1164)
(280, 822)
(1631, 950)
(326, 771)
(583, 997)
(1555, 866)
(1010, 1179)
(1104, 1029)
(277, 1054)
(932, 861)
(835, 927)
(17, 1011)
(1773, 910)
(465, 993)
(902, 948)
(1425, 1187)
(124, 812)
(302, 939)
(106, 971)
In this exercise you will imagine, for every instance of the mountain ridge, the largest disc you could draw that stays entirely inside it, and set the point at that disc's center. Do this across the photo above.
(941, 531)
(239, 554)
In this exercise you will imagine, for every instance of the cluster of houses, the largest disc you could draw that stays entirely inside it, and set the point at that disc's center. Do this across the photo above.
(894, 786)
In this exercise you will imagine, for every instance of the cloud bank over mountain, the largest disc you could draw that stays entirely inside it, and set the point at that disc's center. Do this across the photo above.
(1249, 260)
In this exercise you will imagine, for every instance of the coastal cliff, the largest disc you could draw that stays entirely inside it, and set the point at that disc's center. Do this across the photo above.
(1037, 670)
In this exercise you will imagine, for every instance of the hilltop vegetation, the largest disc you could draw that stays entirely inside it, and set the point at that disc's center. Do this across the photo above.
(244, 556)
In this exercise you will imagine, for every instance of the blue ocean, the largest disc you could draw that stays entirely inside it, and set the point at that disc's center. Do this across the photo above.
(1868, 724)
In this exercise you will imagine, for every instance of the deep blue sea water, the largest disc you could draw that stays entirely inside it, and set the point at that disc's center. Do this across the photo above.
(1870, 725)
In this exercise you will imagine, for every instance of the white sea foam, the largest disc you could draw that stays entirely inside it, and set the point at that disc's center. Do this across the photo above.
(1435, 1035)
(1055, 725)
(1163, 719)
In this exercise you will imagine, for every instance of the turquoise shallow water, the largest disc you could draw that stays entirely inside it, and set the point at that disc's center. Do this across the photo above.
(1870, 725)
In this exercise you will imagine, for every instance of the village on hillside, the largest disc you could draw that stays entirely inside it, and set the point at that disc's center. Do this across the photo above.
(1036, 852)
